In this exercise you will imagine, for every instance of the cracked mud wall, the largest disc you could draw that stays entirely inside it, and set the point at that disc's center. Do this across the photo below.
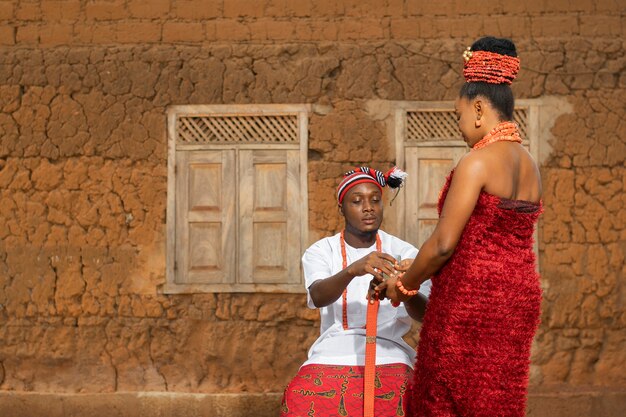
(83, 176)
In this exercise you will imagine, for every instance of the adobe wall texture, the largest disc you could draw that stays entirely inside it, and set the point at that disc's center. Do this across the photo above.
(84, 87)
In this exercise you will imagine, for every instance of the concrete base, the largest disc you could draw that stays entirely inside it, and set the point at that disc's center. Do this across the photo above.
(161, 404)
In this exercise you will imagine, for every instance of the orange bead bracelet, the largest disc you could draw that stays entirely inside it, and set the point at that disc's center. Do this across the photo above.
(404, 291)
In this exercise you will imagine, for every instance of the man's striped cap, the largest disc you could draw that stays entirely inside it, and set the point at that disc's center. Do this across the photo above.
(394, 178)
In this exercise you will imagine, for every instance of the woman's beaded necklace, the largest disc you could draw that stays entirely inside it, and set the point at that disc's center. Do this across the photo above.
(503, 132)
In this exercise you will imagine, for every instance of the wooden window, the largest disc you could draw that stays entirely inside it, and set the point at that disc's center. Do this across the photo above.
(237, 198)
(428, 144)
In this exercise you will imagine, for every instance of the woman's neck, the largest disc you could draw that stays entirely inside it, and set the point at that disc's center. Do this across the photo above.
(358, 239)
(489, 125)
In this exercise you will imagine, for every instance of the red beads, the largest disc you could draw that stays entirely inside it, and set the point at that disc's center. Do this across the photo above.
(489, 67)
(505, 131)
(404, 291)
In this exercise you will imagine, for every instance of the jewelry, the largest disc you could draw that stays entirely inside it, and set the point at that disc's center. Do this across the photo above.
(344, 256)
(503, 132)
(404, 291)
(467, 54)
(489, 67)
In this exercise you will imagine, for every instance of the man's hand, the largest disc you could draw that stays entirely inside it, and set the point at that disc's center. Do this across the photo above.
(375, 263)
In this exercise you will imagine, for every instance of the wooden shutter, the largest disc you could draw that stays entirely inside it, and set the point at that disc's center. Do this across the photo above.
(428, 168)
(430, 145)
(205, 217)
(269, 204)
(237, 217)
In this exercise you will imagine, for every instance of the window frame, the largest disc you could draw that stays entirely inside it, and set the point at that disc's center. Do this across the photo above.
(399, 110)
(302, 111)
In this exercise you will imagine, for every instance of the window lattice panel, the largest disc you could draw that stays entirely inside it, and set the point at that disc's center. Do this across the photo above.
(237, 129)
(441, 125)
(520, 116)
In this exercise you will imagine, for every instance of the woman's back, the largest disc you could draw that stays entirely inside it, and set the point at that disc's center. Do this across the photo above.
(514, 173)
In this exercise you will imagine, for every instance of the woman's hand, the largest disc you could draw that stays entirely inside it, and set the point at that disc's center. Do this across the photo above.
(388, 289)
(380, 286)
(392, 292)
(404, 265)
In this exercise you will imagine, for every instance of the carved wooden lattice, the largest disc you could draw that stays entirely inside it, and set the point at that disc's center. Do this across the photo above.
(521, 118)
(441, 125)
(237, 129)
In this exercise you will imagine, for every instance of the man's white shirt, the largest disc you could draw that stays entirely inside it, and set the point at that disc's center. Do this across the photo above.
(337, 346)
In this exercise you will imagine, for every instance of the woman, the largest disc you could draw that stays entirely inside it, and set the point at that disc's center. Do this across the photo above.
(338, 271)
(474, 349)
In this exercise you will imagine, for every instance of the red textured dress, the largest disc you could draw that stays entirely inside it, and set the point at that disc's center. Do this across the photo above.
(474, 350)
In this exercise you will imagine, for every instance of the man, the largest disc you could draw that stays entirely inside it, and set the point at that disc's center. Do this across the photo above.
(338, 271)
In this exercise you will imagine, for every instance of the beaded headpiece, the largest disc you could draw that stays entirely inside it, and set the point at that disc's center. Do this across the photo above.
(489, 67)
(393, 178)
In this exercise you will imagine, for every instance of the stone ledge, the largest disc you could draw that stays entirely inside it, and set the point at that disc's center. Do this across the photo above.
(162, 404)
(137, 404)
(609, 403)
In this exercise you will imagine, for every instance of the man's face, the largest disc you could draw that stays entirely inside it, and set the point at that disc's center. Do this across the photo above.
(362, 208)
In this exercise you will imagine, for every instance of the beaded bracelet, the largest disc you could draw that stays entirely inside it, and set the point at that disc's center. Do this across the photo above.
(404, 291)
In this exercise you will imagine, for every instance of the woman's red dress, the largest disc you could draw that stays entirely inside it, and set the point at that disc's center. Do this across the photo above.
(474, 351)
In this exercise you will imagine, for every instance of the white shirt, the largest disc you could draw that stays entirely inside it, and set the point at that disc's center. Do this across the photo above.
(337, 346)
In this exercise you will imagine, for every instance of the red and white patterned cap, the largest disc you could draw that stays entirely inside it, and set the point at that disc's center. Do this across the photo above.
(393, 178)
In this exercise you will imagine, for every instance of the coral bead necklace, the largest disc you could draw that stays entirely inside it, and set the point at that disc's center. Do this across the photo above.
(503, 132)
(344, 257)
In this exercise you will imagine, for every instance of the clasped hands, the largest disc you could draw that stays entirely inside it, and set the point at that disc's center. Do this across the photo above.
(386, 272)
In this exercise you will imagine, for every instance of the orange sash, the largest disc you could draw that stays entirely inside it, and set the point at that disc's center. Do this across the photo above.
(371, 327)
